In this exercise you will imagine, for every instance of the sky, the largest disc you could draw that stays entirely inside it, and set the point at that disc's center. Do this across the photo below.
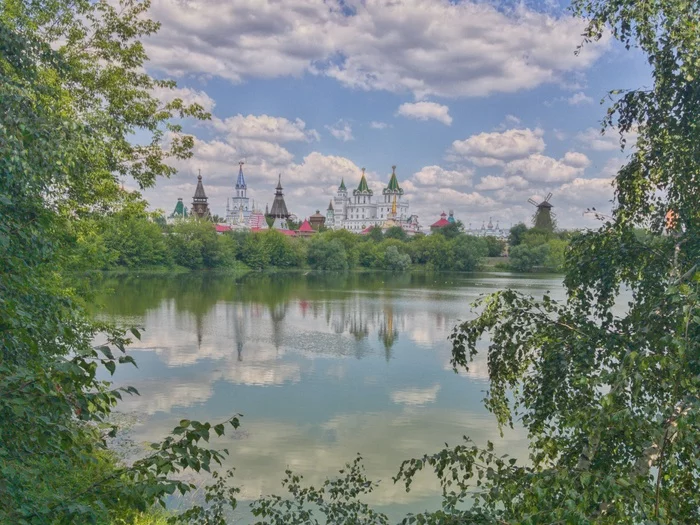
(481, 105)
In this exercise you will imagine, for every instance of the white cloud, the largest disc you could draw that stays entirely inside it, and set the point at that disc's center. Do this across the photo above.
(579, 98)
(425, 47)
(512, 120)
(493, 149)
(542, 168)
(341, 130)
(576, 159)
(491, 182)
(415, 396)
(265, 127)
(593, 139)
(187, 95)
(319, 168)
(437, 176)
(425, 111)
(379, 125)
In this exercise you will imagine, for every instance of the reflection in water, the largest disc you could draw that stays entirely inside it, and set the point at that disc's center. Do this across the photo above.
(359, 362)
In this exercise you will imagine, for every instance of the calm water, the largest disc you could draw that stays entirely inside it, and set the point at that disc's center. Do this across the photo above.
(321, 367)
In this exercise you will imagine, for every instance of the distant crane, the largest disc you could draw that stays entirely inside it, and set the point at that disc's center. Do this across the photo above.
(543, 218)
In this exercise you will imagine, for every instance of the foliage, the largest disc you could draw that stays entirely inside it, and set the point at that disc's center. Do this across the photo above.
(74, 92)
(195, 244)
(337, 500)
(396, 232)
(494, 246)
(395, 261)
(452, 230)
(525, 258)
(516, 234)
(327, 255)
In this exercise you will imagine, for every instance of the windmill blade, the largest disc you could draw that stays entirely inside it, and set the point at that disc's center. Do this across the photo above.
(549, 196)
(533, 202)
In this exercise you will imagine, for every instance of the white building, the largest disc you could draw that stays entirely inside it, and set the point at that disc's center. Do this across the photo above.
(361, 210)
(488, 230)
(238, 208)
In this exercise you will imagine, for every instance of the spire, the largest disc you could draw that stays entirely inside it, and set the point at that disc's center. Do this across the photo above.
(342, 185)
(393, 207)
(279, 208)
(240, 182)
(199, 192)
(393, 182)
(330, 205)
(363, 182)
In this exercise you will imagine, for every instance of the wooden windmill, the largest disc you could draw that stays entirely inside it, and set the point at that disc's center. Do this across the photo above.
(544, 218)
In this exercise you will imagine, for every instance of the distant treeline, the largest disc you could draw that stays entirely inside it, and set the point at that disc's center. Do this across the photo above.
(134, 239)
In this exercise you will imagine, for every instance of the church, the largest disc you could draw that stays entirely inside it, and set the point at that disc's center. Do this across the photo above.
(361, 210)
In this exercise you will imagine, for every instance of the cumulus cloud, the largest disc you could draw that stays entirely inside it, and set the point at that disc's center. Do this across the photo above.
(576, 159)
(186, 94)
(492, 182)
(495, 148)
(341, 130)
(579, 98)
(437, 176)
(265, 127)
(542, 168)
(425, 47)
(593, 139)
(425, 111)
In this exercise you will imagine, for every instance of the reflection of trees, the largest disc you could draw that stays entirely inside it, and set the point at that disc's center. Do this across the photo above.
(354, 303)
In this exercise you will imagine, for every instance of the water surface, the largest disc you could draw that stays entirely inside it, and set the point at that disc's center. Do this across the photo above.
(321, 367)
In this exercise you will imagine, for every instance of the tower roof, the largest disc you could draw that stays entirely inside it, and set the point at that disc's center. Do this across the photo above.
(199, 192)
(279, 207)
(342, 184)
(393, 182)
(180, 210)
(330, 205)
(363, 183)
(240, 182)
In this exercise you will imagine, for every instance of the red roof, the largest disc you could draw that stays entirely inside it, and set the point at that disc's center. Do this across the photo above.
(290, 233)
(306, 227)
(366, 230)
(440, 223)
(220, 228)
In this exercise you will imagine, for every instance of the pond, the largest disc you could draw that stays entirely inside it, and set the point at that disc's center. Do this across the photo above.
(322, 367)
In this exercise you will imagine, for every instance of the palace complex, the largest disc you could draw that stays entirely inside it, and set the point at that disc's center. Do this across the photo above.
(358, 210)
(361, 210)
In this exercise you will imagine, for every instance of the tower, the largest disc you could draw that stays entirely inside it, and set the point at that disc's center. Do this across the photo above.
(341, 202)
(279, 212)
(200, 204)
(393, 193)
(240, 202)
(330, 215)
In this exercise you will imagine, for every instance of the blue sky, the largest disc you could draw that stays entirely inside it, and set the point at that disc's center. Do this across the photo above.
(480, 105)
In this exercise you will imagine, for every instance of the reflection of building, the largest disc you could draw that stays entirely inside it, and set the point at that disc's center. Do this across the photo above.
(387, 333)
(359, 212)
(200, 206)
(488, 230)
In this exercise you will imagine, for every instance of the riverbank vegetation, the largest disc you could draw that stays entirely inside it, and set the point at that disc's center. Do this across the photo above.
(610, 400)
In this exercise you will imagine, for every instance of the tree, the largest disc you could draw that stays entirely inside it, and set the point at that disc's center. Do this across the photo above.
(396, 261)
(375, 234)
(327, 255)
(516, 234)
(451, 230)
(73, 93)
(495, 246)
(395, 232)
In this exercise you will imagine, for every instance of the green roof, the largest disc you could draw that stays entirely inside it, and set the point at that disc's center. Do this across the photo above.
(363, 182)
(342, 184)
(180, 210)
(393, 182)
